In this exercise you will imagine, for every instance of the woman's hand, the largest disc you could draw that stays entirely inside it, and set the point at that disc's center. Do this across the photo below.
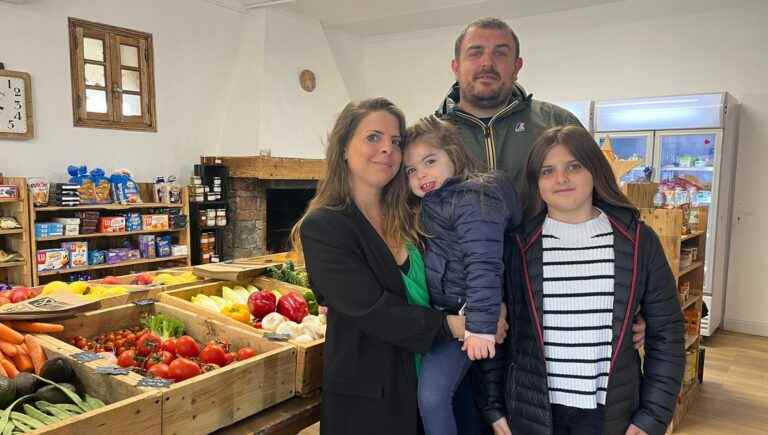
(638, 332)
(500, 427)
(633, 430)
(502, 326)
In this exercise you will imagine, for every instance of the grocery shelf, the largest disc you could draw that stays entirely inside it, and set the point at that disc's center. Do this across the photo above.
(110, 266)
(4, 200)
(690, 268)
(690, 340)
(99, 235)
(12, 264)
(692, 235)
(690, 301)
(14, 231)
(111, 206)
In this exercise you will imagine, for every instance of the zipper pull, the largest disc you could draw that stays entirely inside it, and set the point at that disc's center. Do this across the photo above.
(487, 131)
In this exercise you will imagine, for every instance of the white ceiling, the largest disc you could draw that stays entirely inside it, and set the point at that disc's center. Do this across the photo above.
(380, 17)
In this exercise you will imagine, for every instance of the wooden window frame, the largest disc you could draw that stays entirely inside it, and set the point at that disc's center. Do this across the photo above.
(112, 38)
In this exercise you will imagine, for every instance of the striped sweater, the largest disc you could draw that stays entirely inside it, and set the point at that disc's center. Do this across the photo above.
(578, 309)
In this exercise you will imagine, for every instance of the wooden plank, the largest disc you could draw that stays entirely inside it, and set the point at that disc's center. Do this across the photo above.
(110, 207)
(641, 194)
(10, 232)
(18, 240)
(272, 168)
(111, 266)
(287, 418)
(211, 400)
(100, 235)
(691, 267)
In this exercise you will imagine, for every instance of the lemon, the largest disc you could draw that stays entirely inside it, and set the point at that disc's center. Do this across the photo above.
(55, 287)
(79, 287)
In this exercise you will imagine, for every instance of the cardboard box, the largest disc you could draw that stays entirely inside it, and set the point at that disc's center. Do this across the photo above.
(155, 222)
(78, 253)
(52, 259)
(111, 224)
(48, 229)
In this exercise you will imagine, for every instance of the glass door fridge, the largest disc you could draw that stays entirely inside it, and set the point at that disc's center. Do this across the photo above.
(631, 145)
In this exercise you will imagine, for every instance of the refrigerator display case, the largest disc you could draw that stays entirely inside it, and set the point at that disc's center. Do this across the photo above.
(635, 145)
(582, 109)
(692, 138)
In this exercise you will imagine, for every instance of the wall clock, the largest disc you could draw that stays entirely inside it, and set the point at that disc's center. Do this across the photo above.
(15, 105)
(307, 80)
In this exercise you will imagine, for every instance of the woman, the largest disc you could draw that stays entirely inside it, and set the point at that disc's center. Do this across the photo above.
(353, 237)
(578, 272)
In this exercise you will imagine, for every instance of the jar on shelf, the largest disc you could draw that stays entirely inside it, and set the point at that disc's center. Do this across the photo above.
(221, 217)
(211, 217)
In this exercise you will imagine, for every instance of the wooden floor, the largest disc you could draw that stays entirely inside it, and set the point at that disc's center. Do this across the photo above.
(734, 395)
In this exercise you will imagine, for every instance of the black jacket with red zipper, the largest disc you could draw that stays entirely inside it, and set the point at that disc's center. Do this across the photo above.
(639, 393)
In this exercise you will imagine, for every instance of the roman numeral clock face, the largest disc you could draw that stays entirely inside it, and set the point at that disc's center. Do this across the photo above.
(14, 93)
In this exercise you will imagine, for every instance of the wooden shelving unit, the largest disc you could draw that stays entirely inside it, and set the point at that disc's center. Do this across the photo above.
(668, 224)
(17, 240)
(109, 240)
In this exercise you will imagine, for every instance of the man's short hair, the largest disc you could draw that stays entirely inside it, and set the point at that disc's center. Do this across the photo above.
(486, 23)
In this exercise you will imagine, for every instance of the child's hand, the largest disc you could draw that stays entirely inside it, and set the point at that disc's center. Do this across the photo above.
(478, 348)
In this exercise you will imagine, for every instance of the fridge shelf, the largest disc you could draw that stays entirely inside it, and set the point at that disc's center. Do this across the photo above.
(686, 169)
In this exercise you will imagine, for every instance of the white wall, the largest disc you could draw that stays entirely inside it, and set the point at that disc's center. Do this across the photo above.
(295, 123)
(624, 49)
(195, 46)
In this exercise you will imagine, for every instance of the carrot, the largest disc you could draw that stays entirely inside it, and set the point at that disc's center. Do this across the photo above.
(8, 349)
(10, 369)
(2, 371)
(35, 327)
(23, 363)
(23, 348)
(35, 353)
(9, 335)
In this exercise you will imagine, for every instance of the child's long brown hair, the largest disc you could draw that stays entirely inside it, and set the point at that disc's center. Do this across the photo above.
(585, 150)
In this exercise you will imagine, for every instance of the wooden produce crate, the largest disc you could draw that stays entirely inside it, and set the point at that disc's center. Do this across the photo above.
(130, 279)
(309, 355)
(211, 400)
(128, 410)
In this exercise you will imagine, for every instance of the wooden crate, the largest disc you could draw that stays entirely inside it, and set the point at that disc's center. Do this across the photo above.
(129, 409)
(211, 400)
(18, 240)
(641, 194)
(131, 278)
(309, 356)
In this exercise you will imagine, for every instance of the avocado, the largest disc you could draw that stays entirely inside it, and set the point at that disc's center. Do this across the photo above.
(52, 393)
(57, 370)
(7, 391)
(25, 384)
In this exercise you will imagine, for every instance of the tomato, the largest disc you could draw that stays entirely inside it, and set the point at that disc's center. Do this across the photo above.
(231, 357)
(127, 359)
(182, 368)
(160, 370)
(20, 294)
(246, 353)
(187, 347)
(147, 344)
(110, 280)
(170, 346)
(155, 358)
(214, 354)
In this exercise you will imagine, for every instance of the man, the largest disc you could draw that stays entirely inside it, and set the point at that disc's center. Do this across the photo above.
(498, 120)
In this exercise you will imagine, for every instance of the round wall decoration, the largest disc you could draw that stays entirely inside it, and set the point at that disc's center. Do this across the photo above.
(307, 80)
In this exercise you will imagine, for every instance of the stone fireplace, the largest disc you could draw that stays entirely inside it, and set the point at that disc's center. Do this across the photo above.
(267, 195)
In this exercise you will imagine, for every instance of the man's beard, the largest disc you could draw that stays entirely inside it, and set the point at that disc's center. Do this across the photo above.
(494, 99)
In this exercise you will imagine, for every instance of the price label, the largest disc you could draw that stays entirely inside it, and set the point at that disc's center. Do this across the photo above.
(277, 337)
(85, 357)
(112, 371)
(154, 383)
(144, 302)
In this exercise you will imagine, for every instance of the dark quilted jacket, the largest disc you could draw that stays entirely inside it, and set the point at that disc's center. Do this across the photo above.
(465, 221)
(644, 393)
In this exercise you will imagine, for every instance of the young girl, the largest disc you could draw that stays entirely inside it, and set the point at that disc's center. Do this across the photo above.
(578, 271)
(463, 218)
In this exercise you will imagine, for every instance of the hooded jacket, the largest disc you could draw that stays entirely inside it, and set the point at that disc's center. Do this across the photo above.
(505, 142)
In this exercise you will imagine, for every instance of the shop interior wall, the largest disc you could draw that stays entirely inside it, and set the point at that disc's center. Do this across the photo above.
(624, 49)
(194, 54)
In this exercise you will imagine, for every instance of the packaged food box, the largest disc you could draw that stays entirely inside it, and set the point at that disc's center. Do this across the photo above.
(78, 253)
(133, 221)
(118, 255)
(163, 246)
(9, 191)
(48, 229)
(155, 222)
(52, 259)
(111, 224)
(179, 250)
(147, 246)
(97, 257)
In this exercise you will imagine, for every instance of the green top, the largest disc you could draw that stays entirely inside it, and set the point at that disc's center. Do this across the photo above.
(416, 285)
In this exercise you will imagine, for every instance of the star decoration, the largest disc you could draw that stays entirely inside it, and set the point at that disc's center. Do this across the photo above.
(620, 166)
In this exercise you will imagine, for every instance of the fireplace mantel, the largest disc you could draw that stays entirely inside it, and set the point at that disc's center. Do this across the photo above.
(271, 168)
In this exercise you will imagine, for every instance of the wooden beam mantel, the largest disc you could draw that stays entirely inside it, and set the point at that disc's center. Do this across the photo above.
(271, 168)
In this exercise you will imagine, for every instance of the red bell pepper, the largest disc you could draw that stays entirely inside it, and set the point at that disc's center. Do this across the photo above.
(293, 306)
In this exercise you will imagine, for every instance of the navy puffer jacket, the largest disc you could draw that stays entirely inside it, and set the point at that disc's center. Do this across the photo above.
(465, 222)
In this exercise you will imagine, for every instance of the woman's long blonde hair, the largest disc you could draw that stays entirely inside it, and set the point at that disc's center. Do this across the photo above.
(333, 192)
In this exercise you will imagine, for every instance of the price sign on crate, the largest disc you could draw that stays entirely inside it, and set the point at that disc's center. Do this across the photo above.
(85, 357)
(154, 383)
(112, 371)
